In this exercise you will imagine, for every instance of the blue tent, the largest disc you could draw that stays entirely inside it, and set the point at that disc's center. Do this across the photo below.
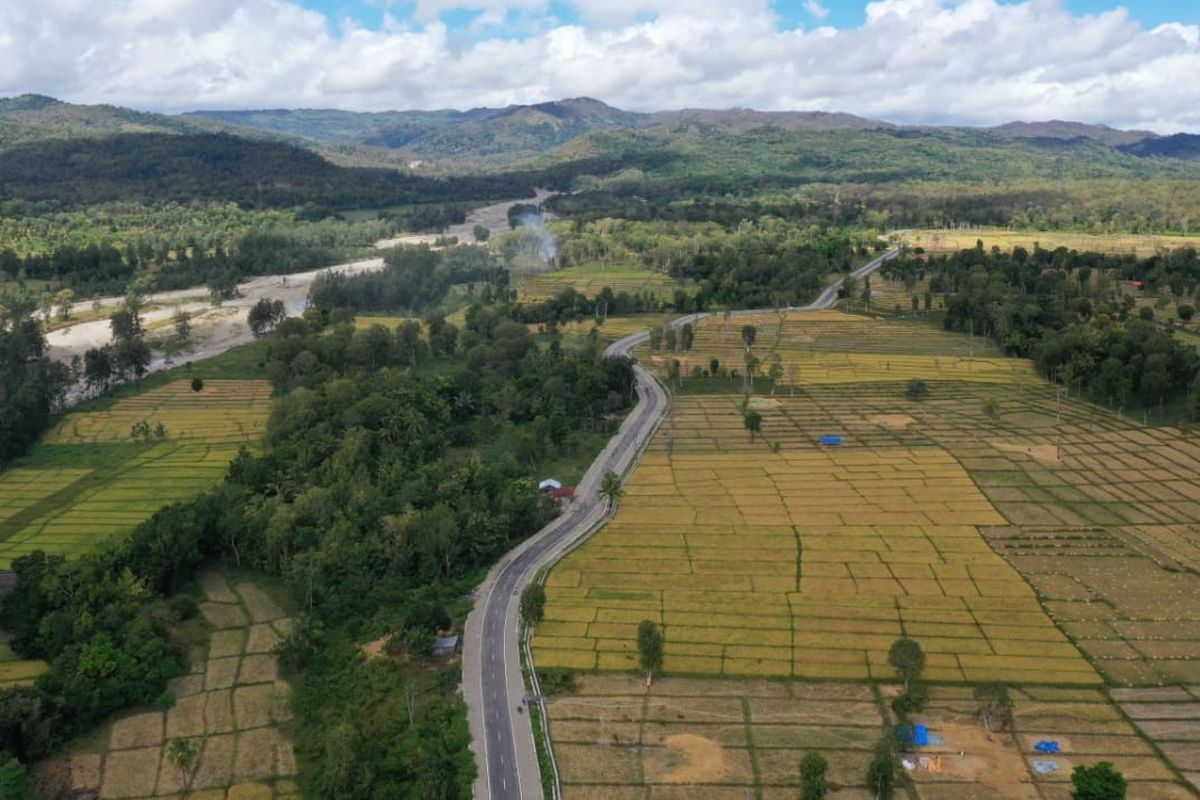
(830, 440)
(913, 734)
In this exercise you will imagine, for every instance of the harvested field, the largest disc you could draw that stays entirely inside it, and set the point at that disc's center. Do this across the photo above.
(233, 716)
(619, 738)
(89, 480)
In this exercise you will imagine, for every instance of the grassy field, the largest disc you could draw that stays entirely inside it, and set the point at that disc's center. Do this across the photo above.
(233, 704)
(89, 479)
(16, 671)
(952, 240)
(592, 278)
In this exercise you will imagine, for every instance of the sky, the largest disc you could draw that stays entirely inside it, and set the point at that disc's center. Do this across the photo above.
(977, 62)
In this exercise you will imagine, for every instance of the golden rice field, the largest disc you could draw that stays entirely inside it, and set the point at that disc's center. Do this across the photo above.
(610, 327)
(830, 347)
(89, 480)
(952, 240)
(591, 279)
(760, 564)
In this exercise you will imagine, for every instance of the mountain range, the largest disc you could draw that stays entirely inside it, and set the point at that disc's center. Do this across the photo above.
(491, 138)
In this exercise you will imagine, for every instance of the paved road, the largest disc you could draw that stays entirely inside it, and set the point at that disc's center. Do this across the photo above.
(501, 734)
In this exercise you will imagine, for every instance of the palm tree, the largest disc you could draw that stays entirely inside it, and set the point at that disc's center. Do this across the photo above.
(610, 487)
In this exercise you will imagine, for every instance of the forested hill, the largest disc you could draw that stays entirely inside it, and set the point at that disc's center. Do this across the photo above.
(155, 167)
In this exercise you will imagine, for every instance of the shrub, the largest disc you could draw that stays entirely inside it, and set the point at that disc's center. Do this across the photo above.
(1098, 782)
(813, 781)
(197, 383)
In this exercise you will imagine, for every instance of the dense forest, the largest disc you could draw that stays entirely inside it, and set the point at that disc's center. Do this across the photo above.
(152, 168)
(398, 467)
(1075, 314)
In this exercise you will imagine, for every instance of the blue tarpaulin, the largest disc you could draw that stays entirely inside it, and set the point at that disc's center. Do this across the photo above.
(1046, 746)
(1045, 767)
(830, 440)
(913, 734)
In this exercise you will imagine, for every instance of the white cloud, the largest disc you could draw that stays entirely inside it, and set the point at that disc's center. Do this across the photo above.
(815, 8)
(972, 61)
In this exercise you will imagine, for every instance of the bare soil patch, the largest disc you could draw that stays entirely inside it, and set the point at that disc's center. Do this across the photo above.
(996, 764)
(892, 421)
(687, 758)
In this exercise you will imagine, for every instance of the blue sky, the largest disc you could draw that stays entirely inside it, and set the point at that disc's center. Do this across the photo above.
(842, 13)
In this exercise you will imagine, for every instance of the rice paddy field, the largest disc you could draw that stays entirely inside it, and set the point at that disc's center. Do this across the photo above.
(952, 240)
(88, 479)
(737, 738)
(1019, 534)
(829, 347)
(590, 279)
(232, 704)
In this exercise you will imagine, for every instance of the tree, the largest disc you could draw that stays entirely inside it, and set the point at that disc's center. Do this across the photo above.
(908, 659)
(183, 324)
(184, 755)
(656, 336)
(1099, 782)
(995, 707)
(749, 334)
(14, 780)
(916, 389)
(650, 648)
(991, 408)
(1186, 312)
(687, 335)
(752, 421)
(481, 233)
(265, 315)
(197, 383)
(63, 299)
(814, 784)
(610, 487)
(775, 372)
(881, 772)
(533, 603)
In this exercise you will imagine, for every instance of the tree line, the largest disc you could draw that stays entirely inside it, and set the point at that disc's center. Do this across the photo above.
(1074, 314)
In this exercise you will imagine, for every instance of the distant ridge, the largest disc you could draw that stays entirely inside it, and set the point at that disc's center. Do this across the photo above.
(449, 141)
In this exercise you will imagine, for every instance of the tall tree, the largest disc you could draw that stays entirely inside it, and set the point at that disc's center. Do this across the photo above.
(650, 648)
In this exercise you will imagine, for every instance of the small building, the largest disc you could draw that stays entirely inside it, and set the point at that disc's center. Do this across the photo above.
(445, 646)
(561, 494)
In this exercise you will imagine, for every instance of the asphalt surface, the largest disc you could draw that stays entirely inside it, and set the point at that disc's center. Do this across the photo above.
(501, 733)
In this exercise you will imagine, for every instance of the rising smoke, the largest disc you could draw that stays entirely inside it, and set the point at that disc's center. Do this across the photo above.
(547, 241)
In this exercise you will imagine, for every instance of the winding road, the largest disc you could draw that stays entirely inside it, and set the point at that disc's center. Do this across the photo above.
(501, 733)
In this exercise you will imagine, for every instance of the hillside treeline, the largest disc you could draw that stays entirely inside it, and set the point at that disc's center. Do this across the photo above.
(398, 467)
(155, 168)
